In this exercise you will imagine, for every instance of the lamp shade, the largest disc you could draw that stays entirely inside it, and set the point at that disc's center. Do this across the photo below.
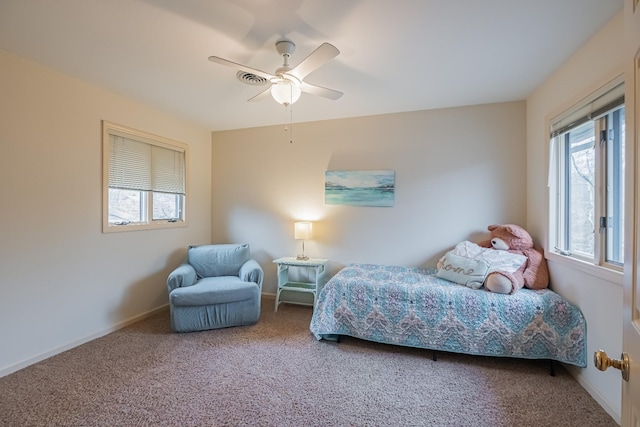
(285, 91)
(302, 230)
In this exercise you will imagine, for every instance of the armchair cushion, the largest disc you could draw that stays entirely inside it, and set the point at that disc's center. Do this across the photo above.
(215, 290)
(218, 260)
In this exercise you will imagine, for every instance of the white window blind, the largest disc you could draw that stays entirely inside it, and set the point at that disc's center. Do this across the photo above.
(141, 166)
(594, 106)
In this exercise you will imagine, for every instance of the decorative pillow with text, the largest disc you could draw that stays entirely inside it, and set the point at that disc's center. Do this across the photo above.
(465, 271)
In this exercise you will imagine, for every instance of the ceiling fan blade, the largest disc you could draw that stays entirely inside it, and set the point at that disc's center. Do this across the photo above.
(262, 95)
(321, 91)
(240, 67)
(315, 60)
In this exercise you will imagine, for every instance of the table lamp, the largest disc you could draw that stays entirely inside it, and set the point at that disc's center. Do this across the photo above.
(302, 231)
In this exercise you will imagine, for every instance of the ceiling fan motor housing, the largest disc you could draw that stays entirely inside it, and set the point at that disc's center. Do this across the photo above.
(285, 47)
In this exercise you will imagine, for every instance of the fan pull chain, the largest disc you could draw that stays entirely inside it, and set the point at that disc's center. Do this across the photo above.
(288, 121)
(286, 118)
(291, 125)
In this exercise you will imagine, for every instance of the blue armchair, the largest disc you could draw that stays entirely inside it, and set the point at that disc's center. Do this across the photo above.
(217, 287)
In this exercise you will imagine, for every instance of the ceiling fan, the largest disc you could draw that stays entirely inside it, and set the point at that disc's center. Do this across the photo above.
(288, 83)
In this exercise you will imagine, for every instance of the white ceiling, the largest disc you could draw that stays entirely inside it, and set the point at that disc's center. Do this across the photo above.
(401, 55)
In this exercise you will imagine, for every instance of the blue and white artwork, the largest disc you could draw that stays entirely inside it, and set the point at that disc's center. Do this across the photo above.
(359, 188)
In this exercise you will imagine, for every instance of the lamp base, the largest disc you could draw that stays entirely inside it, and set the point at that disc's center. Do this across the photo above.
(302, 258)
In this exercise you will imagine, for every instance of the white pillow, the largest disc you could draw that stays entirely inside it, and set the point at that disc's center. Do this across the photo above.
(499, 260)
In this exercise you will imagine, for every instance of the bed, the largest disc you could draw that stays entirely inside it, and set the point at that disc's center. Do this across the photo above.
(412, 307)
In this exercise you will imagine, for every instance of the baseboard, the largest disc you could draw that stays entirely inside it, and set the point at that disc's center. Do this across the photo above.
(20, 365)
(602, 400)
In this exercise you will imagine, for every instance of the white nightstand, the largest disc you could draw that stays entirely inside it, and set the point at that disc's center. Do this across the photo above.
(318, 264)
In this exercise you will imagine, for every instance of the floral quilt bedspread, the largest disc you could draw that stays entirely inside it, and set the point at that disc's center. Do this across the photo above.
(412, 307)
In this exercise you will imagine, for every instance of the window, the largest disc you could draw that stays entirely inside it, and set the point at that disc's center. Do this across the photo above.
(144, 180)
(587, 180)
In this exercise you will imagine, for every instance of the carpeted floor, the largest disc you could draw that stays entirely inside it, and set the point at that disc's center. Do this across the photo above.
(276, 374)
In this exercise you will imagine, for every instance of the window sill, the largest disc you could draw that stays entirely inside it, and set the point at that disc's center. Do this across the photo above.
(139, 227)
(603, 273)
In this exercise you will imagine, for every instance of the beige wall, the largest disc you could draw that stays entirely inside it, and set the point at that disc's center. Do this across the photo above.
(62, 281)
(457, 171)
(597, 62)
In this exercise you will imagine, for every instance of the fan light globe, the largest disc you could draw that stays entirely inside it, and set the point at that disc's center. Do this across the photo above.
(285, 91)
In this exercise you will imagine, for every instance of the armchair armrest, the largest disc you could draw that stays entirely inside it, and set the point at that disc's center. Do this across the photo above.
(181, 277)
(251, 271)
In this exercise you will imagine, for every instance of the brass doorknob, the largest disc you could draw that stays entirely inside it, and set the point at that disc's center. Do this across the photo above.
(602, 362)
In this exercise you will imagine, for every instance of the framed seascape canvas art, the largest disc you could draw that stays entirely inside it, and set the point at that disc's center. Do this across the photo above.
(359, 188)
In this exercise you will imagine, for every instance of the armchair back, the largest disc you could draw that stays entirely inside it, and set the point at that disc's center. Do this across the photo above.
(218, 260)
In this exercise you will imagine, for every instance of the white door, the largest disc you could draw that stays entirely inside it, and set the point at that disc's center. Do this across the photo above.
(631, 317)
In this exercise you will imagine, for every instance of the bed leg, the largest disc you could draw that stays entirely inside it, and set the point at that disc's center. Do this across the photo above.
(552, 369)
(434, 355)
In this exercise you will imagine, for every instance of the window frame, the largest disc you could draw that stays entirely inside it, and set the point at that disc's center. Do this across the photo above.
(598, 265)
(146, 197)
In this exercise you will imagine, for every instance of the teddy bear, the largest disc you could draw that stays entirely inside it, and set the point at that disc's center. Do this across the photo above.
(534, 273)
